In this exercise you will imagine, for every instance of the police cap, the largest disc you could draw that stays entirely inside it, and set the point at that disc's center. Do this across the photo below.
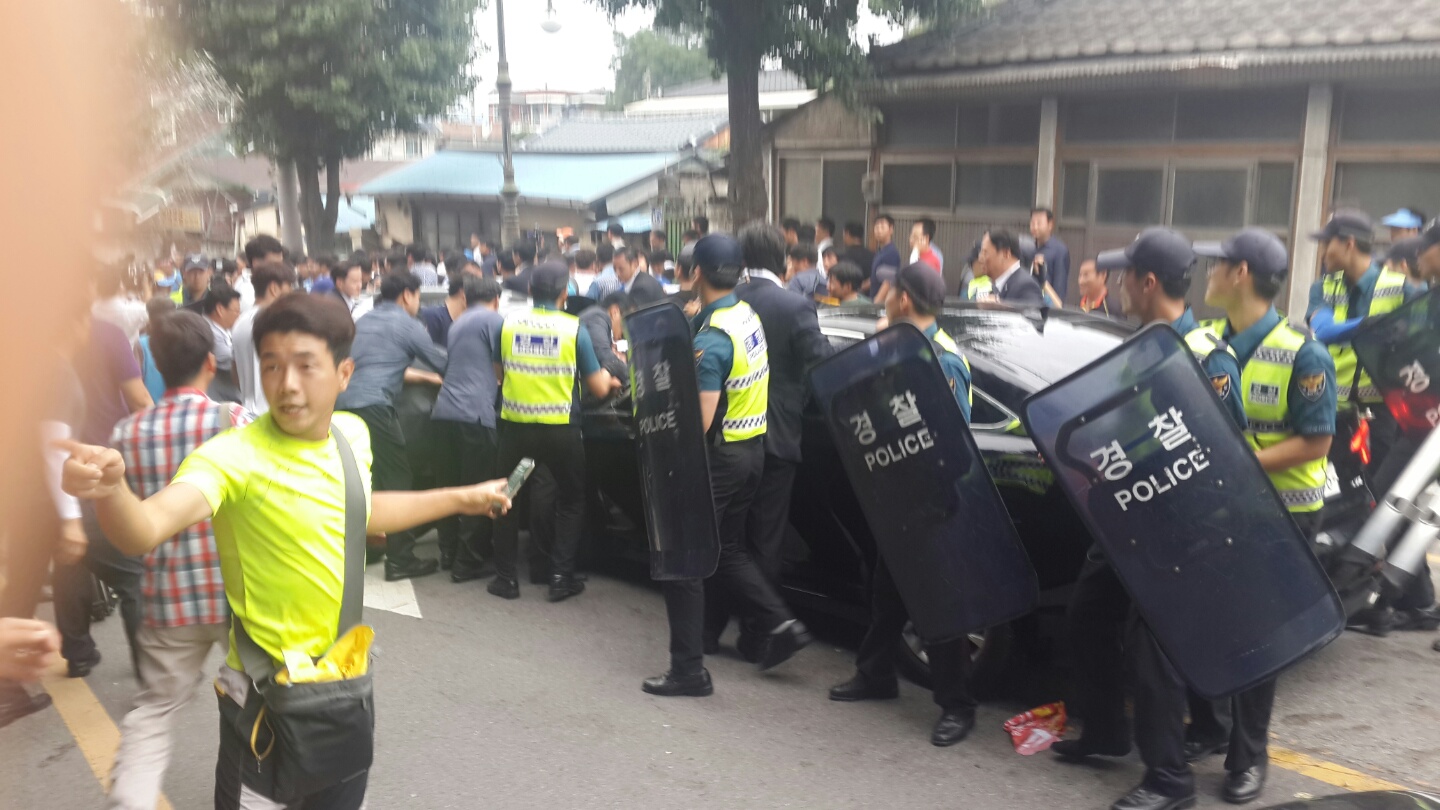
(718, 250)
(1159, 251)
(1260, 249)
(924, 286)
(1346, 223)
(548, 281)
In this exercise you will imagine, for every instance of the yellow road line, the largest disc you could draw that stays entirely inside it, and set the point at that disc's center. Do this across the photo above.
(89, 724)
(1328, 772)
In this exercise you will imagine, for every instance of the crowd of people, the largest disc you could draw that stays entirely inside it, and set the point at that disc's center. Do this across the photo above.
(227, 435)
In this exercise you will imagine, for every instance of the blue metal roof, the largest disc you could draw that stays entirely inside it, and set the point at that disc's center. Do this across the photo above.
(576, 177)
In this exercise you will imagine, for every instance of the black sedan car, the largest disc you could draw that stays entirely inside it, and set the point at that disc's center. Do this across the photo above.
(829, 549)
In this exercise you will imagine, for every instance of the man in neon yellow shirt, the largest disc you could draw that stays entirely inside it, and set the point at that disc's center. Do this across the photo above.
(275, 492)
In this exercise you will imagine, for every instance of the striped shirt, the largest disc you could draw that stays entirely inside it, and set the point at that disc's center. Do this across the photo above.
(182, 584)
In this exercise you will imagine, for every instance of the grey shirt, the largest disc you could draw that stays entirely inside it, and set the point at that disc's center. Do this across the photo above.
(470, 388)
(808, 283)
(387, 341)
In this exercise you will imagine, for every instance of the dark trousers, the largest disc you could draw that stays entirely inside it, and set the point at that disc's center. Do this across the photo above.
(949, 662)
(1096, 621)
(735, 471)
(389, 470)
(561, 450)
(765, 526)
(75, 592)
(464, 453)
(234, 775)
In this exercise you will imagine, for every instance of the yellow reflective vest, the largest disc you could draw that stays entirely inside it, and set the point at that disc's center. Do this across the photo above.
(747, 386)
(537, 353)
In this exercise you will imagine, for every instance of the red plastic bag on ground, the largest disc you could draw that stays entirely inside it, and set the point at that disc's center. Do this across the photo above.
(1037, 729)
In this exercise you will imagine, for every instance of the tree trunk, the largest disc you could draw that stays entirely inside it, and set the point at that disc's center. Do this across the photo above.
(312, 210)
(287, 199)
(742, 69)
(332, 198)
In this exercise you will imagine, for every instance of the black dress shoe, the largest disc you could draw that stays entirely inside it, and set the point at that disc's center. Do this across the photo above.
(81, 667)
(1244, 786)
(862, 688)
(16, 703)
(951, 728)
(1086, 747)
(1423, 619)
(751, 646)
(469, 574)
(1143, 798)
(1196, 750)
(504, 587)
(409, 569)
(563, 587)
(1373, 622)
(672, 685)
(788, 639)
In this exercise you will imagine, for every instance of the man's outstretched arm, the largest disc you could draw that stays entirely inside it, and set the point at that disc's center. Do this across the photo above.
(133, 526)
(398, 511)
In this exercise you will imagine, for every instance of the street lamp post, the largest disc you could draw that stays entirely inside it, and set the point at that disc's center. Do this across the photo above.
(509, 192)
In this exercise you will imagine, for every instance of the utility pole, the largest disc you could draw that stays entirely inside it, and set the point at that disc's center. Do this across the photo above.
(509, 192)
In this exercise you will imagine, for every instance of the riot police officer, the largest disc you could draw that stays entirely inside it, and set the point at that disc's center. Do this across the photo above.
(917, 297)
(542, 356)
(733, 373)
(1288, 385)
(1156, 271)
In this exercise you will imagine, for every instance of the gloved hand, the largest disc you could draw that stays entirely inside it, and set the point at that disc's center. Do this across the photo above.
(1328, 330)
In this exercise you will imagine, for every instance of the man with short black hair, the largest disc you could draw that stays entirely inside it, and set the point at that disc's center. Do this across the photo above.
(584, 275)
(387, 342)
(999, 258)
(1052, 257)
(542, 357)
(659, 240)
(828, 259)
(463, 424)
(616, 232)
(184, 613)
(922, 249)
(272, 279)
(642, 288)
(221, 307)
(348, 279)
(790, 226)
(887, 255)
(606, 324)
(801, 275)
(606, 282)
(275, 490)
(701, 225)
(438, 317)
(1094, 284)
(523, 252)
(844, 285)
(195, 275)
(853, 250)
(417, 261)
(824, 234)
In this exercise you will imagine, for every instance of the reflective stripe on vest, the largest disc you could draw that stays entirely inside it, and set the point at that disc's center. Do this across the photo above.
(1389, 294)
(537, 352)
(747, 386)
(979, 286)
(947, 343)
(1265, 389)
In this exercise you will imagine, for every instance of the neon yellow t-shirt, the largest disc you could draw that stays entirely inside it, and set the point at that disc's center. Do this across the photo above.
(279, 505)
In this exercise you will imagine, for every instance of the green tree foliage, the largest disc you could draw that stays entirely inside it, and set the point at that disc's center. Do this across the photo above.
(317, 81)
(813, 38)
(658, 58)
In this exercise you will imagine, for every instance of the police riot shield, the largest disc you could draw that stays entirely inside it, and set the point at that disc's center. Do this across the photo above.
(1175, 497)
(1401, 352)
(670, 439)
(936, 515)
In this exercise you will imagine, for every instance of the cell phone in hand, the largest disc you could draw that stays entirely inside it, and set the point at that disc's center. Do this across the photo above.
(517, 478)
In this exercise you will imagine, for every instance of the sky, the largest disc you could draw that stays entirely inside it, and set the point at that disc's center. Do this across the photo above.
(577, 57)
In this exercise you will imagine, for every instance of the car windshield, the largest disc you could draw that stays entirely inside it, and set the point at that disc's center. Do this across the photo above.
(1032, 351)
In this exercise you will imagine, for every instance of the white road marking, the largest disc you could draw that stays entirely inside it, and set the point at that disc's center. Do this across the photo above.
(395, 597)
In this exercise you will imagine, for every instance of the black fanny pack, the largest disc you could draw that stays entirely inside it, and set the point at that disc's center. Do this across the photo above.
(304, 737)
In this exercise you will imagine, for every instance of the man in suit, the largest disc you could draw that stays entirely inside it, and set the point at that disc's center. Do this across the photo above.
(642, 288)
(999, 256)
(792, 333)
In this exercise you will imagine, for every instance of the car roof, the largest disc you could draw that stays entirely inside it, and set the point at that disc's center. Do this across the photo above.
(1031, 349)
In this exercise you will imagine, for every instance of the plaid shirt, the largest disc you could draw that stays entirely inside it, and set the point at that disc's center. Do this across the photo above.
(182, 584)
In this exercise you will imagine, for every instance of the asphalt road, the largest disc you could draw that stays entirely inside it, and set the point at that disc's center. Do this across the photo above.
(526, 704)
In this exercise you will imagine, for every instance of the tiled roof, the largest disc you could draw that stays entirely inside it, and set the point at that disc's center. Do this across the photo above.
(572, 178)
(1037, 32)
(771, 81)
(615, 134)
